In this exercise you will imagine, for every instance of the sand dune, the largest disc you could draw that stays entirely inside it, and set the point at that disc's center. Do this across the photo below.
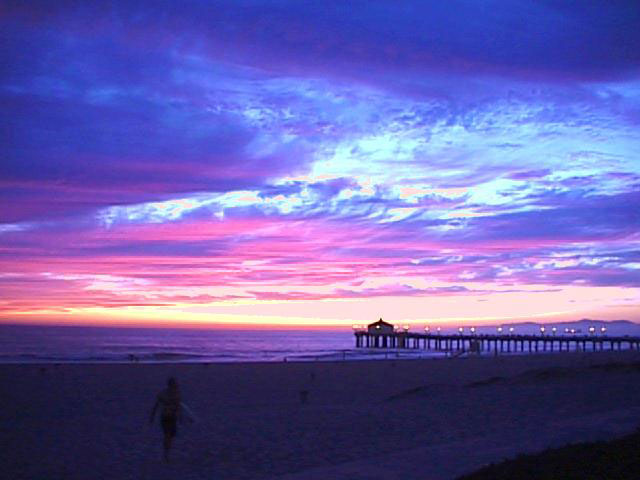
(427, 419)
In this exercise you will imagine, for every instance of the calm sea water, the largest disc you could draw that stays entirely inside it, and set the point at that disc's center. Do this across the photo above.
(35, 344)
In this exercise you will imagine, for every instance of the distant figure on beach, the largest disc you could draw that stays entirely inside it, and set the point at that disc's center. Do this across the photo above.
(169, 402)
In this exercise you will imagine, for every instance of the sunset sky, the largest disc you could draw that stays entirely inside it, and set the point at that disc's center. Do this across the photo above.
(319, 163)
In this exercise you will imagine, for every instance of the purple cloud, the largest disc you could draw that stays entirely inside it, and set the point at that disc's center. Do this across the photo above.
(282, 149)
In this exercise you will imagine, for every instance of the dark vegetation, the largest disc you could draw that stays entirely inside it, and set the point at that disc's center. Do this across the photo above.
(613, 460)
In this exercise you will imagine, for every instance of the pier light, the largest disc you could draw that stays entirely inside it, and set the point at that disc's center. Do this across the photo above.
(355, 327)
(566, 329)
(592, 330)
(572, 331)
(542, 329)
(438, 330)
(603, 330)
(511, 329)
(426, 329)
(460, 330)
(499, 330)
(473, 330)
(554, 330)
(406, 328)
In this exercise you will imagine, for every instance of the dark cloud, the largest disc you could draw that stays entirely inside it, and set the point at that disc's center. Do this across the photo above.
(570, 217)
(597, 39)
(527, 38)
(530, 174)
(94, 98)
(82, 155)
(332, 187)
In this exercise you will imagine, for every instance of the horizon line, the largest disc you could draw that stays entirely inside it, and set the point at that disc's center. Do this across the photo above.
(280, 326)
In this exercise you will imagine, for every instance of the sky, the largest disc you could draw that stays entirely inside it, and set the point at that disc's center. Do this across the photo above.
(319, 163)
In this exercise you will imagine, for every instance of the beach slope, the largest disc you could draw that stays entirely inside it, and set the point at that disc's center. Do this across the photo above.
(427, 419)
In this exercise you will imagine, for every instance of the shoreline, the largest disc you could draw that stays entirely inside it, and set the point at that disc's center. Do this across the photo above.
(388, 357)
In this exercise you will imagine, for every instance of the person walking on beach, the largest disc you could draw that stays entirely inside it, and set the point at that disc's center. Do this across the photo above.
(168, 400)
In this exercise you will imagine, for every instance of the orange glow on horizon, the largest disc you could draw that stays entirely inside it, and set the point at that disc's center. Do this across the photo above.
(339, 314)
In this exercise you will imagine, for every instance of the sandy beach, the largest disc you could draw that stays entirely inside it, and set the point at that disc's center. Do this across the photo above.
(413, 419)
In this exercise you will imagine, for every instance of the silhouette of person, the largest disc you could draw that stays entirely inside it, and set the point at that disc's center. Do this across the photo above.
(168, 400)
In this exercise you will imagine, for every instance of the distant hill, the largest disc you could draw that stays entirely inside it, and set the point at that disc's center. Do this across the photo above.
(612, 327)
(579, 323)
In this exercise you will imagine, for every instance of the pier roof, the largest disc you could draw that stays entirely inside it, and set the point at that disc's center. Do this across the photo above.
(380, 325)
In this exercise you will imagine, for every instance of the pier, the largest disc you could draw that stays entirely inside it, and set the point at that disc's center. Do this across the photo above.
(383, 335)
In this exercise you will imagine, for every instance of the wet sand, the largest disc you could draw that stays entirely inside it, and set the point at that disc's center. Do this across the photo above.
(427, 419)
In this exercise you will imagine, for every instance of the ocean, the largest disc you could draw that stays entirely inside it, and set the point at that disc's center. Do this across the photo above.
(60, 344)
(38, 344)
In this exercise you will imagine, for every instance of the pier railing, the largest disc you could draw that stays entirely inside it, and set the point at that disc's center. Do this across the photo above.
(497, 343)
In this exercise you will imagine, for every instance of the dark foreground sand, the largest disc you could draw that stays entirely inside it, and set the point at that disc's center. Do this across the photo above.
(414, 419)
